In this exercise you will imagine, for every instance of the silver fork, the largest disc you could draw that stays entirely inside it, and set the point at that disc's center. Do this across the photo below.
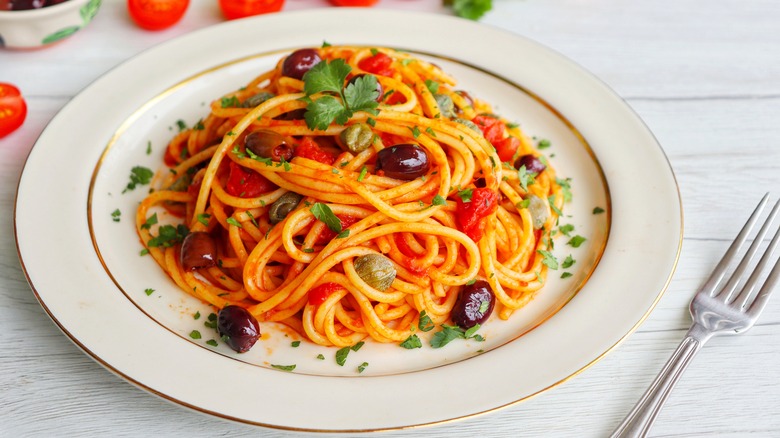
(715, 311)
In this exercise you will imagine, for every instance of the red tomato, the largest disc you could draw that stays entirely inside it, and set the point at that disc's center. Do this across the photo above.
(13, 109)
(319, 294)
(472, 216)
(157, 14)
(311, 150)
(246, 183)
(493, 129)
(233, 9)
(507, 148)
(354, 2)
(326, 235)
(378, 64)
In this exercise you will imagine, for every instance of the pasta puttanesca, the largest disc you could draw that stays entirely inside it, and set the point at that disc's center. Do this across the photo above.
(431, 227)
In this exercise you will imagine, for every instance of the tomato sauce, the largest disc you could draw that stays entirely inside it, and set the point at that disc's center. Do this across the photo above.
(246, 183)
(472, 216)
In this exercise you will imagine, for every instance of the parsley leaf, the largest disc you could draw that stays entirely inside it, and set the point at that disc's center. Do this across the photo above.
(321, 112)
(115, 215)
(326, 76)
(168, 235)
(549, 259)
(465, 195)
(526, 178)
(412, 342)
(284, 367)
(361, 94)
(425, 323)
(470, 9)
(138, 176)
(325, 214)
(362, 367)
(447, 334)
(576, 241)
(341, 355)
(329, 77)
(568, 262)
(598, 210)
(432, 86)
(439, 200)
(152, 220)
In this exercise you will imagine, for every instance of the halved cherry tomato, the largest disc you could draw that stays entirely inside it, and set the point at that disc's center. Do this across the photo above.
(157, 14)
(326, 235)
(378, 64)
(319, 294)
(13, 109)
(246, 183)
(233, 9)
(492, 128)
(354, 2)
(507, 148)
(472, 216)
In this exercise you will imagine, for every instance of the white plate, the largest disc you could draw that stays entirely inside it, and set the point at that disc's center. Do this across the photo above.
(86, 272)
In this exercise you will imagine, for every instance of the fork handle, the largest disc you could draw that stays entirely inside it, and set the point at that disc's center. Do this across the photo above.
(639, 420)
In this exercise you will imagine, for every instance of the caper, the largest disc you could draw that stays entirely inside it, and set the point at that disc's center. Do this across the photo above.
(538, 209)
(468, 124)
(376, 270)
(357, 137)
(283, 206)
(257, 99)
(446, 107)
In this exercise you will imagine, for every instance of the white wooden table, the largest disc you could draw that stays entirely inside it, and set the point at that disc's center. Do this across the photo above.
(705, 77)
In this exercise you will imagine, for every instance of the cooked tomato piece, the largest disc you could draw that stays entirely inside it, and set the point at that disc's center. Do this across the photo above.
(13, 109)
(472, 216)
(492, 128)
(507, 148)
(319, 294)
(157, 14)
(233, 9)
(326, 235)
(246, 183)
(309, 148)
(378, 64)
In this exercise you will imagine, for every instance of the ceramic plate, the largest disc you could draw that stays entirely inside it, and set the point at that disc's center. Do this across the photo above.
(83, 262)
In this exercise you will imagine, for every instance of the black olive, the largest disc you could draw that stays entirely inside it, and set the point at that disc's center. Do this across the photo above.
(379, 88)
(532, 164)
(238, 328)
(299, 62)
(198, 251)
(474, 305)
(268, 144)
(403, 161)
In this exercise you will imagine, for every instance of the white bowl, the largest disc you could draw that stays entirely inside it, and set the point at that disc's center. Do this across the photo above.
(41, 27)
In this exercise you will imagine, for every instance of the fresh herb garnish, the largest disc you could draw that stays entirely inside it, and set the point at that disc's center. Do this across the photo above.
(432, 86)
(181, 125)
(115, 215)
(328, 77)
(439, 200)
(152, 220)
(204, 218)
(598, 210)
(363, 173)
(325, 214)
(357, 346)
(168, 235)
(341, 355)
(195, 334)
(148, 291)
(411, 342)
(543, 144)
(212, 342)
(549, 259)
(138, 176)
(284, 367)
(470, 9)
(229, 102)
(295, 344)
(568, 262)
(526, 178)
(362, 367)
(234, 222)
(425, 324)
(576, 241)
(465, 195)
(566, 275)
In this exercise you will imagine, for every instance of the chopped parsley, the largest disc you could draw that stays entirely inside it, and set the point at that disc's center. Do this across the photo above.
(465, 195)
(212, 342)
(526, 178)
(415, 131)
(543, 144)
(598, 210)
(576, 241)
(320, 356)
(425, 324)
(234, 222)
(138, 176)
(363, 173)
(432, 86)
(115, 215)
(196, 315)
(439, 200)
(148, 291)
(412, 342)
(284, 367)
(341, 355)
(168, 235)
(152, 220)
(549, 259)
(449, 333)
(204, 218)
(362, 367)
(566, 229)
(181, 125)
(149, 148)
(357, 346)
(195, 334)
(295, 344)
(568, 262)
(566, 275)
(229, 102)
(470, 9)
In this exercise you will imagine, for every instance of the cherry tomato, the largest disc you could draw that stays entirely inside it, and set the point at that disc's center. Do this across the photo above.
(507, 148)
(13, 109)
(326, 235)
(233, 9)
(354, 2)
(472, 216)
(246, 183)
(492, 128)
(378, 64)
(157, 14)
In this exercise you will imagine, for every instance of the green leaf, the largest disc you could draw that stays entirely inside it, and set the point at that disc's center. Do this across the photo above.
(471, 9)
(439, 200)
(138, 176)
(363, 173)
(204, 218)
(321, 112)
(576, 241)
(566, 229)
(234, 222)
(566, 275)
(425, 324)
(412, 342)
(549, 259)
(295, 344)
(325, 214)
(326, 77)
(465, 195)
(229, 102)
(526, 178)
(284, 367)
(362, 94)
(543, 144)
(341, 355)
(470, 332)
(212, 342)
(447, 334)
(168, 235)
(115, 215)
(598, 210)
(432, 86)
(195, 334)
(568, 262)
(148, 291)
(362, 367)
(152, 220)
(357, 346)
(60, 34)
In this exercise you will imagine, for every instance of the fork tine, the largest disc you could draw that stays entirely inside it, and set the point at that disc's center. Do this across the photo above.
(769, 285)
(745, 295)
(720, 270)
(727, 291)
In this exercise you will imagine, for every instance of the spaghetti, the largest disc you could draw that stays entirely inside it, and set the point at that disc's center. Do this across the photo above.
(349, 193)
